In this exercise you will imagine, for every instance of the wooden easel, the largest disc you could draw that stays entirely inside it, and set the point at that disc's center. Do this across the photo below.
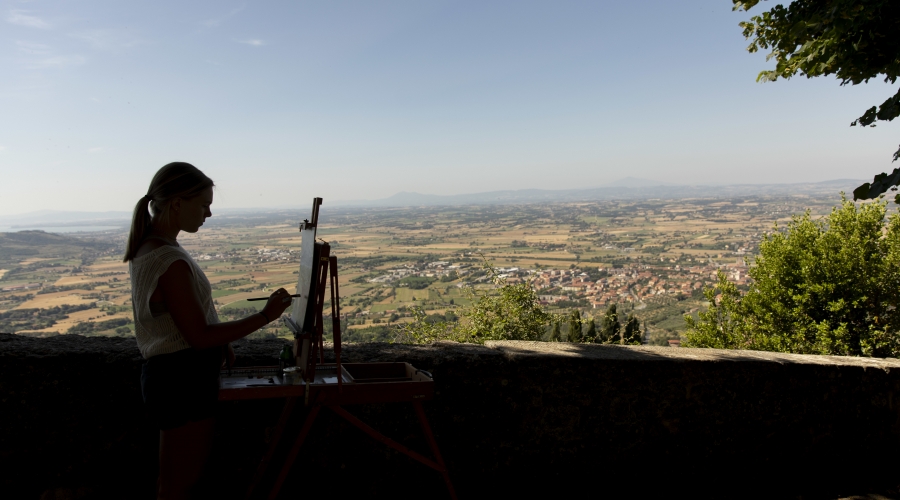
(357, 383)
(309, 344)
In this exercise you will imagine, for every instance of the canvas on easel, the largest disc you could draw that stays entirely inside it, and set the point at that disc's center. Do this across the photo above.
(323, 383)
(303, 310)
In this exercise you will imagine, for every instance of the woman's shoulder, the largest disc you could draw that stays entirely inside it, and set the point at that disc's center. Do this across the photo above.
(151, 245)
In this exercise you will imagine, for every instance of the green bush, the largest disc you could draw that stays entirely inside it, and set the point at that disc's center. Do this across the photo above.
(826, 286)
(416, 282)
(509, 312)
(87, 328)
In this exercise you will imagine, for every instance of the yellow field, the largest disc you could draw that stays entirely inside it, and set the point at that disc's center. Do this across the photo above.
(370, 243)
(73, 319)
(28, 262)
(109, 267)
(48, 300)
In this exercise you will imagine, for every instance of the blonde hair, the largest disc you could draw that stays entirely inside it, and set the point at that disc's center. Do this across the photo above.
(175, 180)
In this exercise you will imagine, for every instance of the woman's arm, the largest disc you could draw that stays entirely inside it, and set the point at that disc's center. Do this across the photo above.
(177, 287)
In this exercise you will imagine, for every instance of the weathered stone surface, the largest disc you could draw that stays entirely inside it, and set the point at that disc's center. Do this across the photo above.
(650, 353)
(510, 417)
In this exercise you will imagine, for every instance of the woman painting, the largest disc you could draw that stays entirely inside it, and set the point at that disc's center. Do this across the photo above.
(176, 325)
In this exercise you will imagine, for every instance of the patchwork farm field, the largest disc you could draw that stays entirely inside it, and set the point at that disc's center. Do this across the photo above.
(651, 257)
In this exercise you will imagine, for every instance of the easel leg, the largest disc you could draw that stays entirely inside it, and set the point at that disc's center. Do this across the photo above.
(384, 439)
(426, 428)
(273, 443)
(292, 455)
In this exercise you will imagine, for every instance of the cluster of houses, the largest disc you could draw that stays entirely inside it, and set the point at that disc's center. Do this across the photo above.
(258, 255)
(24, 286)
(437, 269)
(203, 256)
(634, 283)
(273, 254)
(630, 284)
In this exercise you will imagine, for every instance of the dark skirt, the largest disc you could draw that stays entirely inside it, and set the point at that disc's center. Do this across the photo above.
(181, 387)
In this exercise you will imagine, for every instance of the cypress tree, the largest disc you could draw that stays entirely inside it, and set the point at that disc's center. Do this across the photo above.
(610, 328)
(575, 326)
(555, 333)
(591, 335)
(632, 334)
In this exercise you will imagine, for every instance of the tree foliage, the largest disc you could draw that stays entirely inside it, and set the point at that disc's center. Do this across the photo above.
(632, 334)
(555, 333)
(575, 326)
(422, 331)
(822, 286)
(591, 335)
(416, 282)
(509, 312)
(610, 329)
(513, 312)
(855, 40)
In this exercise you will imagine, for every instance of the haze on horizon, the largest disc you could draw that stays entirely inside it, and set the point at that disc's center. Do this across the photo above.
(282, 101)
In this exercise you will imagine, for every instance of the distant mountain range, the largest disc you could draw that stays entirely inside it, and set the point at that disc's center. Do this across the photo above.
(627, 188)
(65, 218)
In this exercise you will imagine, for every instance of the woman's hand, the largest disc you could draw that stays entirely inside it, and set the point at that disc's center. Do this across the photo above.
(277, 303)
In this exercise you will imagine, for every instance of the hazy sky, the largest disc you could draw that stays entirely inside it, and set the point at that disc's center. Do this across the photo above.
(280, 101)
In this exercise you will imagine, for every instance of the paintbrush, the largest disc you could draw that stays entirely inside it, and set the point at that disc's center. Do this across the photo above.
(267, 298)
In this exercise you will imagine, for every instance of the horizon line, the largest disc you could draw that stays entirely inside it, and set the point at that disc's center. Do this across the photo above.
(360, 202)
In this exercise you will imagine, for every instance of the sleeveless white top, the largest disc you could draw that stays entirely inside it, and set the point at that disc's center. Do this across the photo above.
(157, 333)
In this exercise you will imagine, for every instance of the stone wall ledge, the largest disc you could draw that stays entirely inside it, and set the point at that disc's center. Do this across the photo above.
(511, 418)
(514, 348)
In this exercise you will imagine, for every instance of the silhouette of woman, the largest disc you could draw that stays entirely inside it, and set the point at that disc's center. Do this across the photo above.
(176, 325)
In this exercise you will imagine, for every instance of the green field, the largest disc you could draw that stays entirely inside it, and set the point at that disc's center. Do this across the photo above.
(377, 308)
(244, 304)
(662, 239)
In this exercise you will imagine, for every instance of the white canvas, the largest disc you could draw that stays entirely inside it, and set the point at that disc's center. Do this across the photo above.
(305, 280)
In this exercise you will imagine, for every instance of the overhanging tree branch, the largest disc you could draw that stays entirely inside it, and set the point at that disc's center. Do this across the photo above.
(854, 40)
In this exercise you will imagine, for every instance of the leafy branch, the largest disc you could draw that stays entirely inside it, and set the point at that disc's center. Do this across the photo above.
(509, 312)
(855, 40)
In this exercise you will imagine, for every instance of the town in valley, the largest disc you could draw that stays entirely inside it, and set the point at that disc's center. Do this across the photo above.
(652, 258)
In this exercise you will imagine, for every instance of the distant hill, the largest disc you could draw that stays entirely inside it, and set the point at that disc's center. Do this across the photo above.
(65, 218)
(627, 188)
(635, 182)
(622, 189)
(16, 246)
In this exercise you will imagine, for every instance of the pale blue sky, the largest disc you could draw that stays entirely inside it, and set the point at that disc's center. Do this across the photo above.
(280, 101)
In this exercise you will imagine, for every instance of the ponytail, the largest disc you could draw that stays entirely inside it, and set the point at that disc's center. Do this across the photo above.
(175, 180)
(140, 226)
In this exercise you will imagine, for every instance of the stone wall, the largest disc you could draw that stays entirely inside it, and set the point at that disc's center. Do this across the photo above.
(510, 417)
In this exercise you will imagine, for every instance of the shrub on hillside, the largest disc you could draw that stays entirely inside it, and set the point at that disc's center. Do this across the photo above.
(416, 282)
(826, 286)
(509, 312)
